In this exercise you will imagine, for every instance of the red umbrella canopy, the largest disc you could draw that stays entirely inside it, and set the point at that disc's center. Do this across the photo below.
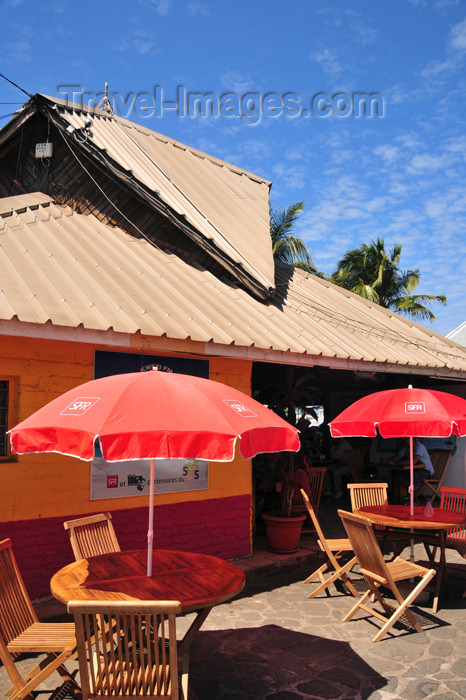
(154, 415)
(403, 413)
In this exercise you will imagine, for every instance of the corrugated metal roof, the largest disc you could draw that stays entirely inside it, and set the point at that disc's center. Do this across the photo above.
(71, 269)
(459, 334)
(226, 204)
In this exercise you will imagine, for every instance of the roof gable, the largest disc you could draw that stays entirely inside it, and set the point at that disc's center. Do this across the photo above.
(224, 209)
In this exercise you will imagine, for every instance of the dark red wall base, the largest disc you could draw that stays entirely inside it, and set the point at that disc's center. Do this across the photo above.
(220, 527)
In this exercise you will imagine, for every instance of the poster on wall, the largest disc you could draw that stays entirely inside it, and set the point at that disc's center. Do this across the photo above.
(124, 479)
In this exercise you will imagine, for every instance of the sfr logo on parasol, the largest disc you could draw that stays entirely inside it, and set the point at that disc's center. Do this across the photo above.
(79, 406)
(240, 408)
(419, 407)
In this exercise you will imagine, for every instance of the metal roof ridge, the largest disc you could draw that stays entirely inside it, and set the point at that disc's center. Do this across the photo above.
(66, 104)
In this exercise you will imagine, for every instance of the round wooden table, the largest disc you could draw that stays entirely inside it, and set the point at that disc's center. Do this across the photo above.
(198, 581)
(431, 531)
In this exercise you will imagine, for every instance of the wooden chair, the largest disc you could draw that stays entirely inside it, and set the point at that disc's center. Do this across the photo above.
(133, 662)
(311, 480)
(368, 494)
(377, 572)
(375, 494)
(440, 460)
(92, 535)
(455, 499)
(334, 549)
(21, 632)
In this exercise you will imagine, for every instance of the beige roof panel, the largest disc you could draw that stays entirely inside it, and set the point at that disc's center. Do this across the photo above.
(227, 205)
(72, 270)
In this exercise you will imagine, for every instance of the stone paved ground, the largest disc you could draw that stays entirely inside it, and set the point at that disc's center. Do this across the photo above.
(272, 642)
(275, 643)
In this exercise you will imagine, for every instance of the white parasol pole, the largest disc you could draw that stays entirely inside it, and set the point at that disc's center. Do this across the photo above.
(411, 488)
(411, 476)
(150, 531)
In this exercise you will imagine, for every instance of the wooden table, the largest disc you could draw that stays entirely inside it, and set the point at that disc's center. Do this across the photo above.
(432, 531)
(198, 581)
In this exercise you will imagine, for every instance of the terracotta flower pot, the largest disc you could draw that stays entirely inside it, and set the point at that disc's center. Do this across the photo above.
(283, 533)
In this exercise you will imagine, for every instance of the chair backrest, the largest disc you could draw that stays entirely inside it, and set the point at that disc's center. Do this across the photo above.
(371, 494)
(138, 658)
(92, 535)
(440, 460)
(356, 463)
(361, 534)
(16, 611)
(454, 499)
(312, 481)
(315, 522)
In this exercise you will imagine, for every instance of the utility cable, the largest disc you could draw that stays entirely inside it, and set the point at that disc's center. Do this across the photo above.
(15, 85)
(301, 301)
(149, 240)
(182, 194)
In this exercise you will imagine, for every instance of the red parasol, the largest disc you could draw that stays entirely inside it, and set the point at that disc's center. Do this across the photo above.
(403, 413)
(154, 415)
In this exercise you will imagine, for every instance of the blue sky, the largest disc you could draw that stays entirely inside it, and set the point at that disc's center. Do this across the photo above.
(285, 81)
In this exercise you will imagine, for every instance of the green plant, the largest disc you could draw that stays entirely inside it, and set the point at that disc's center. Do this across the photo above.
(290, 392)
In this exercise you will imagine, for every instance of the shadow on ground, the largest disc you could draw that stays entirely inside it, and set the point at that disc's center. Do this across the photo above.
(271, 662)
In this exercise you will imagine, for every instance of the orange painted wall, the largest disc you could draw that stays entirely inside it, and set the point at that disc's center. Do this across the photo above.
(42, 486)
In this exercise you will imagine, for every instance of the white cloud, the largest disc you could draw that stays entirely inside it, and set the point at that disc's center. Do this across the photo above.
(364, 32)
(434, 208)
(436, 69)
(389, 153)
(458, 37)
(141, 41)
(162, 7)
(329, 60)
(426, 161)
(294, 177)
(237, 83)
(20, 50)
(197, 8)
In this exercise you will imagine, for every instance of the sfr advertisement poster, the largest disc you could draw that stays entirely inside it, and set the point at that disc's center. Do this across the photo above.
(124, 479)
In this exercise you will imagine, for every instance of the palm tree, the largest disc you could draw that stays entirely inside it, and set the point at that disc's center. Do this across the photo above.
(373, 272)
(285, 246)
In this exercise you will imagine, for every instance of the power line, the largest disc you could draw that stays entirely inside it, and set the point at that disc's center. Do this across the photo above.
(15, 85)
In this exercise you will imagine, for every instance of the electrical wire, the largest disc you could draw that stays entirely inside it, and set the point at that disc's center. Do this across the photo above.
(300, 301)
(15, 85)
(149, 240)
(177, 188)
(201, 237)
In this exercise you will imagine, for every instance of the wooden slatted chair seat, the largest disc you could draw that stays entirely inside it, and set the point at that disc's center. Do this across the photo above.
(22, 633)
(334, 549)
(92, 535)
(377, 572)
(134, 661)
